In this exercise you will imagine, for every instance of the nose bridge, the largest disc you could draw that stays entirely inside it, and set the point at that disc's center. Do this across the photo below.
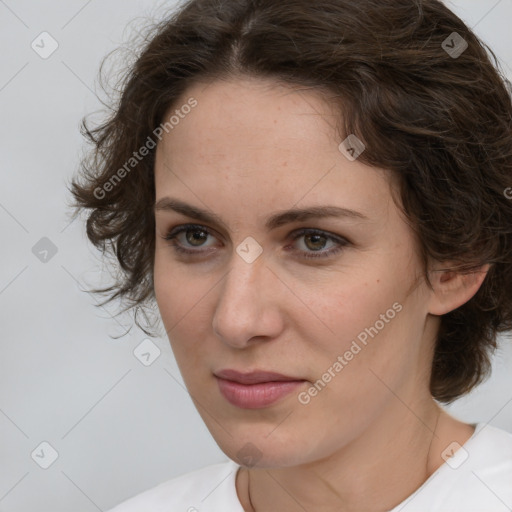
(244, 282)
(247, 268)
(245, 294)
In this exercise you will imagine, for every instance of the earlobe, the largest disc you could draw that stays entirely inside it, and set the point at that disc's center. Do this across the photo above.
(452, 289)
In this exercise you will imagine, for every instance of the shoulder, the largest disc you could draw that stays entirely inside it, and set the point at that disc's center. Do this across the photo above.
(476, 478)
(204, 489)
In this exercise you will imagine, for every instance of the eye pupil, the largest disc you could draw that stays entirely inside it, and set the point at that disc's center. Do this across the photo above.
(195, 238)
(315, 238)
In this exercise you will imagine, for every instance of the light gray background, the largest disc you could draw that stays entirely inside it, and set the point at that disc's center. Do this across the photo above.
(118, 426)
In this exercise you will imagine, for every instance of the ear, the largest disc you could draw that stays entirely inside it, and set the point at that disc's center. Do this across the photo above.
(452, 289)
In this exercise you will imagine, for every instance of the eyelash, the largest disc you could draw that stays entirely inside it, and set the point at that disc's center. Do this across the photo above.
(171, 236)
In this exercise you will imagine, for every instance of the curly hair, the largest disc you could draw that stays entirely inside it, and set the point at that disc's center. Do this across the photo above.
(416, 85)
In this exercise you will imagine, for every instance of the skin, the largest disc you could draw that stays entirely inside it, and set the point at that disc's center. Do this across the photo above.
(374, 434)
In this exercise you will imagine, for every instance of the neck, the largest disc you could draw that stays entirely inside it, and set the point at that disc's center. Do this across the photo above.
(374, 472)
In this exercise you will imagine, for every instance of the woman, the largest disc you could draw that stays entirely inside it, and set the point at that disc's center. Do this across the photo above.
(315, 195)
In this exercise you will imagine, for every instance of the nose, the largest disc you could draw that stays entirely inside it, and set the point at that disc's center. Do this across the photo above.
(250, 303)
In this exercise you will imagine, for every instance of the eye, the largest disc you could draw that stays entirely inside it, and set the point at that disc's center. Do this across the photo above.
(194, 234)
(314, 241)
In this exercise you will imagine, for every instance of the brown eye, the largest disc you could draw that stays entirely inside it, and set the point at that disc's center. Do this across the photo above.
(315, 241)
(196, 236)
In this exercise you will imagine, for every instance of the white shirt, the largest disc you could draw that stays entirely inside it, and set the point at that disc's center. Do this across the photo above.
(477, 478)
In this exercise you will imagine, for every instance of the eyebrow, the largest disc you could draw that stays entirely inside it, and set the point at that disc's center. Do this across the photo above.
(273, 222)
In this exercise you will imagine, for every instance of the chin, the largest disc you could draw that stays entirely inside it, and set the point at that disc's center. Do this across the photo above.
(256, 448)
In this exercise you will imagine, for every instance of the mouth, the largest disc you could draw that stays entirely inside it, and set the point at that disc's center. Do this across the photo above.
(257, 389)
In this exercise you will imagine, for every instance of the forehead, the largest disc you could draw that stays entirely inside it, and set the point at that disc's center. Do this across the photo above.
(260, 144)
(249, 114)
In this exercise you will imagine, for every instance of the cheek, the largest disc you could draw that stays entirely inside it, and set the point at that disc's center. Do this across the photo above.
(183, 306)
(352, 304)
(166, 284)
(176, 294)
(371, 328)
(389, 358)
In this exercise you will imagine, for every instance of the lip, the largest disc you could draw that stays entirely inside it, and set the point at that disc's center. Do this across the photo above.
(255, 390)
(254, 377)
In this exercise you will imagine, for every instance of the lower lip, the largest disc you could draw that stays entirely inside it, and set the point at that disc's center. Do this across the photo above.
(256, 396)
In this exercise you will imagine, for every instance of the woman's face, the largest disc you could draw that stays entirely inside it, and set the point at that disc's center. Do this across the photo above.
(338, 308)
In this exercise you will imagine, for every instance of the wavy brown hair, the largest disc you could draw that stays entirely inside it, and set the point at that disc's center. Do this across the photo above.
(440, 123)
